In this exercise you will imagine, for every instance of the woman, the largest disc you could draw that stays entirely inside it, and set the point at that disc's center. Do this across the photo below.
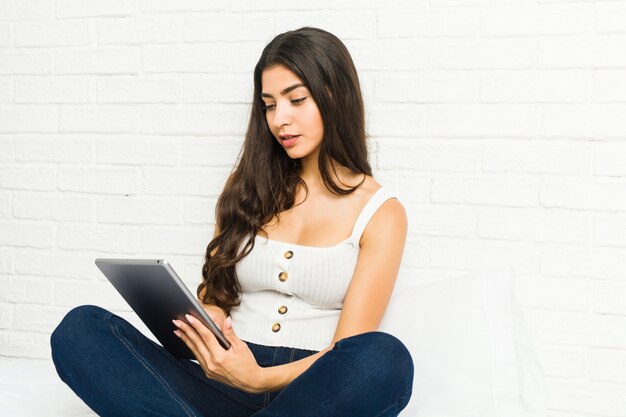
(298, 274)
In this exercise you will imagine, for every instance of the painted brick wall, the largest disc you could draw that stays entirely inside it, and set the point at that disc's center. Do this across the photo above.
(501, 123)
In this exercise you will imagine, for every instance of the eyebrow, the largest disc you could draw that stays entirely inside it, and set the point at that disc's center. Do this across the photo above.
(285, 91)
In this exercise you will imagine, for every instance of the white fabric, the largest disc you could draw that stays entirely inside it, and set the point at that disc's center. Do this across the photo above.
(471, 357)
(317, 283)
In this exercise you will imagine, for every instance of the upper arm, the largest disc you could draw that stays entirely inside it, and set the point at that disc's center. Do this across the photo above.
(382, 246)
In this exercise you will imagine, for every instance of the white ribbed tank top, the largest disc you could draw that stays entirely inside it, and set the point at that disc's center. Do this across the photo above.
(292, 295)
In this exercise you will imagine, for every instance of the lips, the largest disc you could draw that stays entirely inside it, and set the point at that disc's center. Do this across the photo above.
(288, 140)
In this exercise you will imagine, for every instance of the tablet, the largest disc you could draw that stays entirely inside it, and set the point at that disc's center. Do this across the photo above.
(157, 295)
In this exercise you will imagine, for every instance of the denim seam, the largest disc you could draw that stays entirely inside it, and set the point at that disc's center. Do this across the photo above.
(164, 384)
(252, 407)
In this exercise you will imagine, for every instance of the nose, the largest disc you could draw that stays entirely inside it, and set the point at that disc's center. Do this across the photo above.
(282, 115)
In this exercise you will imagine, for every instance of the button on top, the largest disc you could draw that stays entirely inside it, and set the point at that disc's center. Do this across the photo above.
(282, 309)
(283, 276)
(276, 327)
(289, 254)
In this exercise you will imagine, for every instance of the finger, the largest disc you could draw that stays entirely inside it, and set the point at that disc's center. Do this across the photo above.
(194, 338)
(227, 330)
(200, 328)
(192, 346)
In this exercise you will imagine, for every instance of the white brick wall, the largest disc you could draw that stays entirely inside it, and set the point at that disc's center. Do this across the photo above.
(500, 123)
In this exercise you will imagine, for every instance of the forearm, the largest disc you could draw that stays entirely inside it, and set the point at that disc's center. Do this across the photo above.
(277, 377)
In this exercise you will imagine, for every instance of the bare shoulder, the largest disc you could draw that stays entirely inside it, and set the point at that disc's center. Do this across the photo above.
(390, 220)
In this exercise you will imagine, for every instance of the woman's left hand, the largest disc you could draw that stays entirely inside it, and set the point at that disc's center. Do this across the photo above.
(236, 366)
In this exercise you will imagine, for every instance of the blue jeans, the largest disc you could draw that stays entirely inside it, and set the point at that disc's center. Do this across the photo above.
(117, 371)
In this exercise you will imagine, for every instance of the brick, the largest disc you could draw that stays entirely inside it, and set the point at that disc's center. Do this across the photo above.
(53, 207)
(466, 254)
(583, 194)
(484, 55)
(607, 86)
(24, 63)
(142, 30)
(411, 188)
(388, 54)
(217, 89)
(24, 344)
(588, 398)
(183, 6)
(416, 255)
(6, 91)
(26, 10)
(536, 20)
(608, 298)
(101, 61)
(276, 5)
(199, 211)
(5, 35)
(429, 22)
(184, 181)
(54, 264)
(137, 90)
(436, 88)
(448, 156)
(28, 119)
(564, 86)
(483, 120)
(442, 221)
(27, 234)
(355, 24)
(24, 289)
(609, 159)
(37, 318)
(536, 225)
(6, 148)
(94, 8)
(179, 240)
(28, 178)
(512, 191)
(609, 230)
(72, 293)
(139, 150)
(106, 118)
(52, 33)
(54, 148)
(397, 120)
(537, 157)
(100, 180)
(6, 315)
(246, 58)
(569, 261)
(223, 119)
(7, 261)
(608, 365)
(563, 362)
(610, 17)
(586, 53)
(52, 90)
(211, 151)
(139, 210)
(584, 121)
(186, 58)
(108, 239)
(5, 205)
(211, 27)
(561, 328)
(561, 294)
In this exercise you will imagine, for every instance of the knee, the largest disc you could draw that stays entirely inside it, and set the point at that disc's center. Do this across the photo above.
(74, 330)
(385, 356)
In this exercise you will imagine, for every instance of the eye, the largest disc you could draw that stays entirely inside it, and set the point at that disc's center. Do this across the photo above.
(268, 106)
(298, 100)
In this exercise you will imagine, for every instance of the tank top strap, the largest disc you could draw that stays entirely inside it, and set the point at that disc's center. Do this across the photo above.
(376, 200)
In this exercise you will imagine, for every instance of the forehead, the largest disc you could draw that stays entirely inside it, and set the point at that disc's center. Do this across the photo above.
(276, 78)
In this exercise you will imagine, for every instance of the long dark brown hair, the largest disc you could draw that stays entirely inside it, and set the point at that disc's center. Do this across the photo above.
(265, 179)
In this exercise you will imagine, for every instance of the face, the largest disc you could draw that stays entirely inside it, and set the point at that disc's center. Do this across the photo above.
(292, 116)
